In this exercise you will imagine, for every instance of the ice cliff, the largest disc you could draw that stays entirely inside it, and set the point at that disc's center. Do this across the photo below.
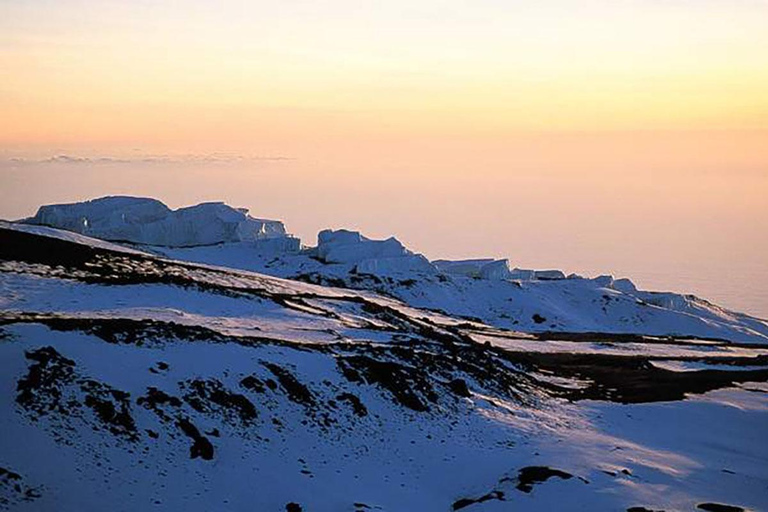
(368, 256)
(148, 221)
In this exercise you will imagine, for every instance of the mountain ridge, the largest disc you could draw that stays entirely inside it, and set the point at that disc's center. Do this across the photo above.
(145, 381)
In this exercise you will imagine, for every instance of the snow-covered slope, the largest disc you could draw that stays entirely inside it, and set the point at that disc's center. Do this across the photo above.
(473, 289)
(483, 289)
(133, 382)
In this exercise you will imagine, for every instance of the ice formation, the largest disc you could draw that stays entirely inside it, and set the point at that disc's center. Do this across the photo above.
(522, 274)
(548, 274)
(485, 289)
(486, 268)
(148, 221)
(369, 256)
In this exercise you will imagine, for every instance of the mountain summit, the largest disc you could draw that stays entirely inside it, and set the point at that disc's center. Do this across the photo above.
(162, 377)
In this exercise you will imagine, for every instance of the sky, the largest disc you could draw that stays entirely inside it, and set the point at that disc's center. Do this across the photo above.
(623, 136)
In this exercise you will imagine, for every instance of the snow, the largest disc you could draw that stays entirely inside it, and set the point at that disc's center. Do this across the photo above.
(522, 274)
(670, 455)
(622, 349)
(485, 289)
(548, 274)
(369, 256)
(275, 245)
(148, 221)
(482, 268)
(602, 304)
(498, 269)
(396, 462)
(330, 237)
(67, 236)
(344, 246)
(624, 285)
(395, 265)
(712, 446)
(529, 274)
(694, 366)
(468, 268)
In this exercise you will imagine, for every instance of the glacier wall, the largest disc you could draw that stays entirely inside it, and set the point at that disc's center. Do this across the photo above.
(149, 221)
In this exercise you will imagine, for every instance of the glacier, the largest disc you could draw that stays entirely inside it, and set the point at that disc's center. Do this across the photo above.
(149, 221)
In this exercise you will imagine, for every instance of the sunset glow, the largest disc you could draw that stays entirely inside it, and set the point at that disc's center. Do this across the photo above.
(112, 73)
(384, 255)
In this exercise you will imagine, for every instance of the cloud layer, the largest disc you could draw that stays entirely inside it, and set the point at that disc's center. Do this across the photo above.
(66, 159)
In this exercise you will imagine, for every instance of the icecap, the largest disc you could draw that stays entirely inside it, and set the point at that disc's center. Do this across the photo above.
(148, 221)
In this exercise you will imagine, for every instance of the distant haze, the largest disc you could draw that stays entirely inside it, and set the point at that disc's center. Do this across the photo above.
(625, 137)
(700, 230)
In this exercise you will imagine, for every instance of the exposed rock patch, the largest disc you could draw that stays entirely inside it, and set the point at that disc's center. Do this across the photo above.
(357, 405)
(718, 507)
(459, 388)
(13, 489)
(112, 407)
(625, 379)
(532, 475)
(40, 392)
(408, 386)
(253, 383)
(210, 395)
(296, 391)
(50, 385)
(465, 502)
(201, 446)
(155, 400)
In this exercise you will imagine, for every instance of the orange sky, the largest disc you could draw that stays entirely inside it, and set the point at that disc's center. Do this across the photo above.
(251, 75)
